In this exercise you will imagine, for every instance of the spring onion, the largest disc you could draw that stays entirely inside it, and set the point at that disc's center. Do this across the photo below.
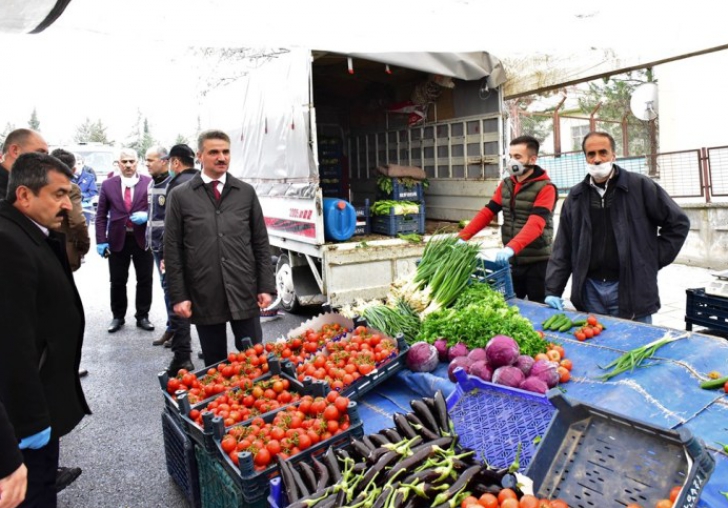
(634, 358)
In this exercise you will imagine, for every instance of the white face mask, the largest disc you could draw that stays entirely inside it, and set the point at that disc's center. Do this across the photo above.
(600, 171)
(516, 168)
(130, 181)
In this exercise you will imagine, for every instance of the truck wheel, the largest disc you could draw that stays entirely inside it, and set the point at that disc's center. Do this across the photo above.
(284, 284)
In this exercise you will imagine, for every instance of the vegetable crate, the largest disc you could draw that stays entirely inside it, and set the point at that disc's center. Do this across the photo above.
(496, 275)
(394, 364)
(179, 454)
(392, 225)
(217, 489)
(252, 488)
(402, 192)
(363, 219)
(311, 387)
(705, 310)
(170, 401)
(494, 419)
(590, 457)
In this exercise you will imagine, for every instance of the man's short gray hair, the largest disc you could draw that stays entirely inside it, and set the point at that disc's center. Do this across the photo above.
(128, 152)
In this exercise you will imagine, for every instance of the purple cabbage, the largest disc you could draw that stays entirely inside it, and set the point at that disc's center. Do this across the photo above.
(477, 354)
(422, 357)
(508, 376)
(458, 349)
(534, 384)
(501, 351)
(546, 371)
(482, 370)
(442, 349)
(525, 362)
(461, 361)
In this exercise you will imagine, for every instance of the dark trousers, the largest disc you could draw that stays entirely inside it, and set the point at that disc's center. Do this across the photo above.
(182, 340)
(42, 467)
(213, 338)
(119, 272)
(530, 281)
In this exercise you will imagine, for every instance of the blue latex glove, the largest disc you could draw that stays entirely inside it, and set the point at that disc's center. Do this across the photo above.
(100, 248)
(36, 441)
(139, 218)
(460, 240)
(554, 302)
(504, 255)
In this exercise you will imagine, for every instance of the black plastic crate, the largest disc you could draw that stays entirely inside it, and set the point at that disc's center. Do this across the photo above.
(590, 457)
(380, 374)
(705, 310)
(363, 219)
(179, 454)
(402, 192)
(274, 365)
(392, 225)
(309, 386)
(255, 485)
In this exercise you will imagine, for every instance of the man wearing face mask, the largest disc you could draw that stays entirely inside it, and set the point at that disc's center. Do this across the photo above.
(121, 223)
(617, 229)
(527, 198)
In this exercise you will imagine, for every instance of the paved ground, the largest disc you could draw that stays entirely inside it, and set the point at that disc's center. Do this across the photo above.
(120, 446)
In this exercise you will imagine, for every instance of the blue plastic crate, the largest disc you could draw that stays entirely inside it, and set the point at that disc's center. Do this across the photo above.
(493, 419)
(179, 454)
(591, 457)
(401, 192)
(392, 225)
(496, 275)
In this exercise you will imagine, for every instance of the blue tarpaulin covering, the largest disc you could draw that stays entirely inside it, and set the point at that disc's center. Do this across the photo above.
(666, 394)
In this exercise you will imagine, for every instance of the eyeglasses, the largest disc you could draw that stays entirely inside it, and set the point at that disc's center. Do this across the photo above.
(130, 161)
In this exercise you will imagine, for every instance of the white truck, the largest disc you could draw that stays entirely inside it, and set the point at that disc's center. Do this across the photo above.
(441, 112)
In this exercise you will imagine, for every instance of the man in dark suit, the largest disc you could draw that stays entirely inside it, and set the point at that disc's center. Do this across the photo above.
(41, 318)
(18, 142)
(121, 223)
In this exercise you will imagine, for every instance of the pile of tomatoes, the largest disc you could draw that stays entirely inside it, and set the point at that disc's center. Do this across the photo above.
(507, 498)
(297, 349)
(346, 360)
(292, 430)
(592, 328)
(244, 365)
(248, 400)
(556, 353)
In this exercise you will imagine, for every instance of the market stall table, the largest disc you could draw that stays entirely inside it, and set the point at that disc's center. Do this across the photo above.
(665, 394)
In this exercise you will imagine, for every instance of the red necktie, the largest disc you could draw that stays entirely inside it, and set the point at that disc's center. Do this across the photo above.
(215, 190)
(127, 204)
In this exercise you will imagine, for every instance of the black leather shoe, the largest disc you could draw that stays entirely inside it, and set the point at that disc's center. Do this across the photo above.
(164, 339)
(82, 372)
(200, 355)
(66, 476)
(145, 324)
(177, 364)
(115, 325)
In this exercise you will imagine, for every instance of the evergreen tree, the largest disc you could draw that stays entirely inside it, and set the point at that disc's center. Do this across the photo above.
(91, 132)
(141, 138)
(181, 140)
(34, 123)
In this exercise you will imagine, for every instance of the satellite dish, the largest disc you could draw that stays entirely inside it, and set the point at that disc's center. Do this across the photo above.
(644, 104)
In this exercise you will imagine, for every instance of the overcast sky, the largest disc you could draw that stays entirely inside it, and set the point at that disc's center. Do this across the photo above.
(101, 77)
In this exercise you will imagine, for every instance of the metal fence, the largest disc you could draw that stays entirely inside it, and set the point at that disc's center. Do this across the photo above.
(692, 174)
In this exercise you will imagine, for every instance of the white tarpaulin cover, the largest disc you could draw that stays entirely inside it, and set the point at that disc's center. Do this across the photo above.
(540, 43)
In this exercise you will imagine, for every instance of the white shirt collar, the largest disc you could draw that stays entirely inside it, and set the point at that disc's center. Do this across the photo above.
(206, 179)
(45, 230)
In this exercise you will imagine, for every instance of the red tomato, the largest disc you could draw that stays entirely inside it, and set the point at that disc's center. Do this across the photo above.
(588, 332)
(488, 500)
(262, 458)
(506, 494)
(331, 413)
(342, 404)
(675, 493)
(228, 444)
(509, 503)
(469, 501)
